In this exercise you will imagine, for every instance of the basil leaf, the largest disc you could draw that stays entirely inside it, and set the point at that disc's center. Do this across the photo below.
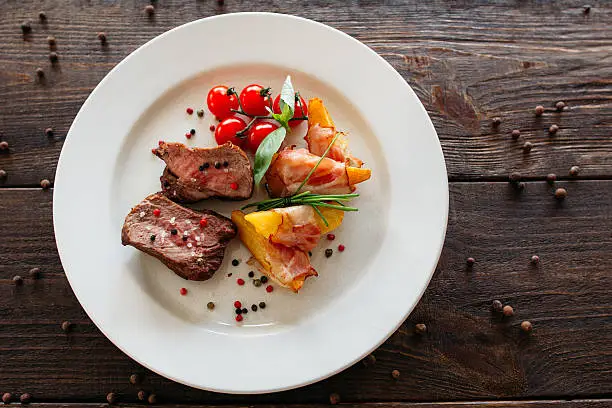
(265, 151)
(287, 96)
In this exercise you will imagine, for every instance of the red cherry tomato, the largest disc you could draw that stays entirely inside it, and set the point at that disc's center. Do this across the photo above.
(254, 99)
(297, 111)
(258, 133)
(226, 131)
(220, 103)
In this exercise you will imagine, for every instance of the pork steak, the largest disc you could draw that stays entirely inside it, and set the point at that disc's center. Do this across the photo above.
(190, 243)
(195, 174)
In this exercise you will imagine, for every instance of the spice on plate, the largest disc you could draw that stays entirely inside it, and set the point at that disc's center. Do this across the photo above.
(212, 128)
(239, 318)
(251, 274)
(235, 262)
(331, 237)
(254, 307)
(240, 281)
(420, 328)
(245, 310)
(508, 311)
(210, 305)
(574, 170)
(257, 282)
(264, 279)
(269, 288)
(183, 291)
(526, 326)
(188, 135)
(262, 305)
(329, 252)
(560, 193)
(189, 111)
(237, 304)
(497, 306)
(200, 113)
(539, 110)
(341, 248)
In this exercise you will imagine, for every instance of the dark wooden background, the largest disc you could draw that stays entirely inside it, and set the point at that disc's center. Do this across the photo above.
(468, 61)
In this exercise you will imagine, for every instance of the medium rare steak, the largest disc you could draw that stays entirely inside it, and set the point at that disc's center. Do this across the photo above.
(190, 243)
(195, 174)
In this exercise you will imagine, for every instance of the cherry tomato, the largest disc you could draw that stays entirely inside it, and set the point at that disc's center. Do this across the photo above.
(226, 131)
(220, 103)
(254, 99)
(297, 111)
(258, 133)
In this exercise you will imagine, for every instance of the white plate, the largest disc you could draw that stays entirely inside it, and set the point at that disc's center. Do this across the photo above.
(361, 296)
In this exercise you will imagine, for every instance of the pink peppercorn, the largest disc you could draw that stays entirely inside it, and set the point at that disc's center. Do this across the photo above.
(341, 248)
(239, 318)
(189, 111)
(183, 291)
(240, 281)
(331, 237)
(269, 288)
(188, 135)
(157, 212)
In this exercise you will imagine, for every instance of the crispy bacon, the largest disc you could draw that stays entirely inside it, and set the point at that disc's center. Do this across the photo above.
(299, 228)
(289, 266)
(319, 138)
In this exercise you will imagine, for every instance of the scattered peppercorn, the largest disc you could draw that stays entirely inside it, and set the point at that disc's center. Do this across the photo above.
(527, 146)
(188, 135)
(142, 395)
(574, 170)
(586, 9)
(203, 223)
(157, 212)
(102, 37)
(17, 280)
(152, 238)
(183, 291)
(40, 73)
(150, 10)
(251, 274)
(526, 326)
(508, 311)
(264, 279)
(192, 131)
(152, 399)
(217, 165)
(237, 304)
(212, 128)
(66, 326)
(238, 310)
(53, 57)
(234, 186)
(42, 16)
(470, 261)
(497, 306)
(173, 231)
(516, 133)
(254, 308)
(210, 305)
(341, 248)
(539, 110)
(369, 360)
(111, 398)
(245, 310)
(420, 328)
(257, 282)
(200, 113)
(4, 145)
(560, 193)
(235, 262)
(134, 379)
(551, 178)
(331, 237)
(51, 41)
(334, 399)
(45, 184)
(6, 397)
(535, 259)
(514, 177)
(553, 129)
(329, 252)
(269, 288)
(225, 164)
(25, 398)
(189, 111)
(496, 121)
(26, 27)
(239, 318)
(3, 174)
(560, 106)
(262, 305)
(395, 374)
(240, 281)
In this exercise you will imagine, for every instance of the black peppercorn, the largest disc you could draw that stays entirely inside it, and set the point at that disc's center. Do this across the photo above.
(40, 73)
(102, 38)
(574, 170)
(551, 178)
(527, 147)
(329, 252)
(184, 237)
(201, 168)
(245, 310)
(6, 397)
(152, 399)
(334, 399)
(152, 238)
(516, 133)
(262, 305)
(210, 305)
(560, 106)
(26, 27)
(526, 326)
(111, 398)
(539, 110)
(420, 328)
(142, 395)
(496, 121)
(150, 10)
(206, 165)
(264, 279)
(17, 280)
(257, 282)
(53, 57)
(235, 262)
(553, 129)
(3, 174)
(535, 259)
(560, 193)
(200, 113)
(497, 306)
(225, 164)
(192, 131)
(173, 231)
(508, 311)
(251, 274)
(395, 374)
(42, 16)
(254, 308)
(238, 311)
(515, 177)
(470, 261)
(25, 398)
(217, 165)
(4, 145)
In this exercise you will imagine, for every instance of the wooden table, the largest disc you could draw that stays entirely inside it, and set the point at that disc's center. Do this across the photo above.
(468, 61)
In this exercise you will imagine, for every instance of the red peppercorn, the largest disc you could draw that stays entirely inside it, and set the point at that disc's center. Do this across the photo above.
(331, 237)
(239, 318)
(188, 135)
(341, 248)
(203, 222)
(157, 212)
(234, 186)
(237, 304)
(269, 288)
(240, 281)
(189, 111)
(183, 291)
(153, 151)
(160, 142)
(212, 128)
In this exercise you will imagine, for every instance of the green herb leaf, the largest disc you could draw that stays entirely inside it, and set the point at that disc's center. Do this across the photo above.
(265, 151)
(287, 97)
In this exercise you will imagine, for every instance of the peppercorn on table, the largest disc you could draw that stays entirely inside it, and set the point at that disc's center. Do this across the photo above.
(519, 311)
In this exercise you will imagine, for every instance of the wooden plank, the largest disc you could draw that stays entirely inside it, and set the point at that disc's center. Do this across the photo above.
(466, 64)
(468, 352)
(591, 403)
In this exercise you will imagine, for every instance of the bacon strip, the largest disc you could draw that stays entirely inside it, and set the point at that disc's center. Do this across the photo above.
(299, 228)
(319, 138)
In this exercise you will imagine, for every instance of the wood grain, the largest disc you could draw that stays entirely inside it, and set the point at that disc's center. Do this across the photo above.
(467, 353)
(468, 61)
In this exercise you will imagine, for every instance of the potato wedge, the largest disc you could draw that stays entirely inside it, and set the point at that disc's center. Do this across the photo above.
(317, 114)
(357, 175)
(267, 222)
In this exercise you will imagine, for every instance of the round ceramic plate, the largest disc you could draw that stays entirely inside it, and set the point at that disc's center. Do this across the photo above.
(361, 295)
